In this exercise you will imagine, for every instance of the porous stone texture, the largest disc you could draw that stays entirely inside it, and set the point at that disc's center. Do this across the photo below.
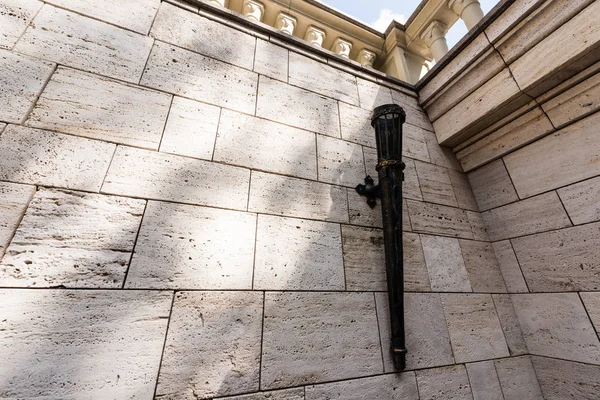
(581, 201)
(482, 267)
(191, 129)
(316, 337)
(511, 271)
(373, 95)
(561, 379)
(444, 383)
(416, 277)
(439, 219)
(83, 343)
(411, 188)
(445, 264)
(484, 381)
(22, 78)
(15, 16)
(392, 387)
(85, 104)
(591, 301)
(72, 239)
(436, 186)
(474, 327)
(271, 60)
(296, 254)
(286, 394)
(46, 158)
(364, 258)
(260, 144)
(492, 186)
(181, 246)
(274, 194)
(510, 325)
(414, 143)
(188, 74)
(462, 190)
(356, 125)
(76, 41)
(518, 379)
(211, 38)
(477, 226)
(289, 105)
(340, 162)
(14, 199)
(556, 325)
(362, 214)
(159, 176)
(215, 337)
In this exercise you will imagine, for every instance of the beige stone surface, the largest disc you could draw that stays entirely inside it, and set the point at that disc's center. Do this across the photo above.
(416, 276)
(371, 159)
(511, 16)
(190, 129)
(356, 125)
(556, 325)
(438, 219)
(510, 324)
(286, 394)
(159, 176)
(188, 74)
(414, 113)
(444, 383)
(484, 381)
(372, 94)
(591, 301)
(316, 337)
(518, 378)
(51, 159)
(561, 379)
(297, 107)
(194, 32)
(22, 78)
(475, 330)
(462, 190)
(76, 41)
(88, 105)
(411, 189)
(189, 247)
(322, 78)
(14, 199)
(477, 226)
(362, 214)
(482, 267)
(447, 270)
(260, 144)
(296, 254)
(581, 201)
(392, 387)
(574, 103)
(414, 143)
(441, 155)
(492, 186)
(340, 162)
(364, 259)
(435, 184)
(213, 345)
(15, 16)
(136, 15)
(73, 239)
(84, 343)
(571, 252)
(274, 194)
(509, 266)
(271, 60)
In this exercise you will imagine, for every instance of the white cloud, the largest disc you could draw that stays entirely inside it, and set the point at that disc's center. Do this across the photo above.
(385, 18)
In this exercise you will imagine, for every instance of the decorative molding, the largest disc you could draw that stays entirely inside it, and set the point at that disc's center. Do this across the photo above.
(315, 36)
(342, 47)
(366, 58)
(286, 23)
(219, 3)
(253, 10)
(435, 30)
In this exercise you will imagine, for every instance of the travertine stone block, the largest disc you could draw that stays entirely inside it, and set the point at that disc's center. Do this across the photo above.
(296, 254)
(571, 252)
(22, 78)
(411, 188)
(440, 155)
(371, 160)
(561, 379)
(14, 199)
(84, 343)
(158, 176)
(286, 394)
(194, 32)
(435, 184)
(416, 277)
(492, 186)
(362, 214)
(364, 258)
(581, 201)
(392, 387)
(513, 14)
(73, 239)
(297, 107)
(444, 383)
(462, 190)
(509, 266)
(15, 16)
(562, 158)
(191, 129)
(316, 337)
(215, 337)
(356, 125)
(574, 103)
(484, 381)
(556, 325)
(51, 159)
(447, 271)
(76, 41)
(181, 246)
(482, 267)
(437, 219)
(274, 194)
(271, 60)
(477, 226)
(510, 325)
(340, 162)
(475, 330)
(88, 105)
(415, 143)
(591, 301)
(136, 15)
(373, 95)
(410, 104)
(544, 212)
(260, 144)
(518, 379)
(192, 75)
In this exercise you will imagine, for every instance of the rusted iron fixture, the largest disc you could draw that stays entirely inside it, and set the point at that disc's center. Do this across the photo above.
(387, 121)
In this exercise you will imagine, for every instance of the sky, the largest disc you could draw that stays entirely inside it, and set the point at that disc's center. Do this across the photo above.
(379, 13)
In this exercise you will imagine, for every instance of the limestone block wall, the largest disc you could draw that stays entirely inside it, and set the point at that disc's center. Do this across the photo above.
(178, 220)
